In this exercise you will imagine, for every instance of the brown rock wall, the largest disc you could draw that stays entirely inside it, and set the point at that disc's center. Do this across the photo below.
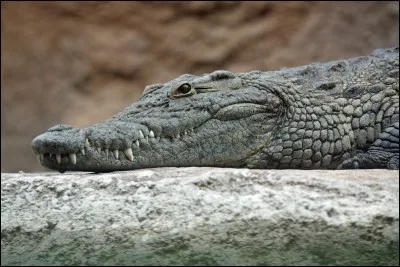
(82, 62)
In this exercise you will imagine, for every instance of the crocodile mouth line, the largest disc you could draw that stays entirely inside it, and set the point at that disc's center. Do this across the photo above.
(115, 153)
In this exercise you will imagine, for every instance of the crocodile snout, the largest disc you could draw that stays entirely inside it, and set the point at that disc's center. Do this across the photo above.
(60, 141)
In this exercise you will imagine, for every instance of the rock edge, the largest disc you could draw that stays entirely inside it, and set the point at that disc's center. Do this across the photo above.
(201, 216)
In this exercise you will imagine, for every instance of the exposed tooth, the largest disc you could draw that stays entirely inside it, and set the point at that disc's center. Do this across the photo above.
(99, 149)
(185, 133)
(137, 142)
(38, 158)
(151, 134)
(87, 144)
(72, 157)
(129, 154)
(141, 135)
(106, 150)
(83, 151)
(41, 156)
(50, 155)
(178, 135)
(115, 153)
(58, 158)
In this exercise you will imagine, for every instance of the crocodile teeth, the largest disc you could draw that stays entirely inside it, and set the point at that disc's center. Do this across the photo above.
(72, 157)
(137, 143)
(151, 134)
(50, 155)
(141, 135)
(129, 154)
(87, 144)
(178, 135)
(115, 153)
(41, 156)
(99, 149)
(184, 133)
(58, 158)
(38, 158)
(83, 151)
(106, 150)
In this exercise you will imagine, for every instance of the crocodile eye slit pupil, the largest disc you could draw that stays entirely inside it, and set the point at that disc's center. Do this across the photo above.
(184, 88)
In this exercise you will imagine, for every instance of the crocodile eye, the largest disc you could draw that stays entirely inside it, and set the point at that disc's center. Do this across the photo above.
(183, 90)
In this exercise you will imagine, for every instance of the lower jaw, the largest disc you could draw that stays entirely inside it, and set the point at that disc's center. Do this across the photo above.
(95, 161)
(95, 164)
(110, 164)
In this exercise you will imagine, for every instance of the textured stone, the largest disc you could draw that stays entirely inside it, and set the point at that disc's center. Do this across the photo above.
(201, 216)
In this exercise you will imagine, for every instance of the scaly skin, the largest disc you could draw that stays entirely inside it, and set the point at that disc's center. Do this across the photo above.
(340, 114)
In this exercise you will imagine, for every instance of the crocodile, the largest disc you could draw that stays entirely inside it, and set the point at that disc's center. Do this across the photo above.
(341, 114)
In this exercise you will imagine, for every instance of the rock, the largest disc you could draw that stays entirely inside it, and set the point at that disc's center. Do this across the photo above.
(80, 63)
(201, 216)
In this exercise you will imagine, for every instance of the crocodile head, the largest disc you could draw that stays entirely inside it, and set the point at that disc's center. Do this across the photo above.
(216, 119)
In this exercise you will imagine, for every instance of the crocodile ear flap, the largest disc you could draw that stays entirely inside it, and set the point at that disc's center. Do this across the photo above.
(222, 74)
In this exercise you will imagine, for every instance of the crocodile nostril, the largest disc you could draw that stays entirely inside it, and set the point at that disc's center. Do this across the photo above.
(59, 141)
(60, 127)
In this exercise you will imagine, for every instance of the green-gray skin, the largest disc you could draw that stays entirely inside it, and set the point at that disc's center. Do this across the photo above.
(340, 114)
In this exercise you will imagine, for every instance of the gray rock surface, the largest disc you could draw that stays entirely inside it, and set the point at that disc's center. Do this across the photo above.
(201, 216)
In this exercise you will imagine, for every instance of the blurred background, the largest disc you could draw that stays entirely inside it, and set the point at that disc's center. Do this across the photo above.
(79, 63)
